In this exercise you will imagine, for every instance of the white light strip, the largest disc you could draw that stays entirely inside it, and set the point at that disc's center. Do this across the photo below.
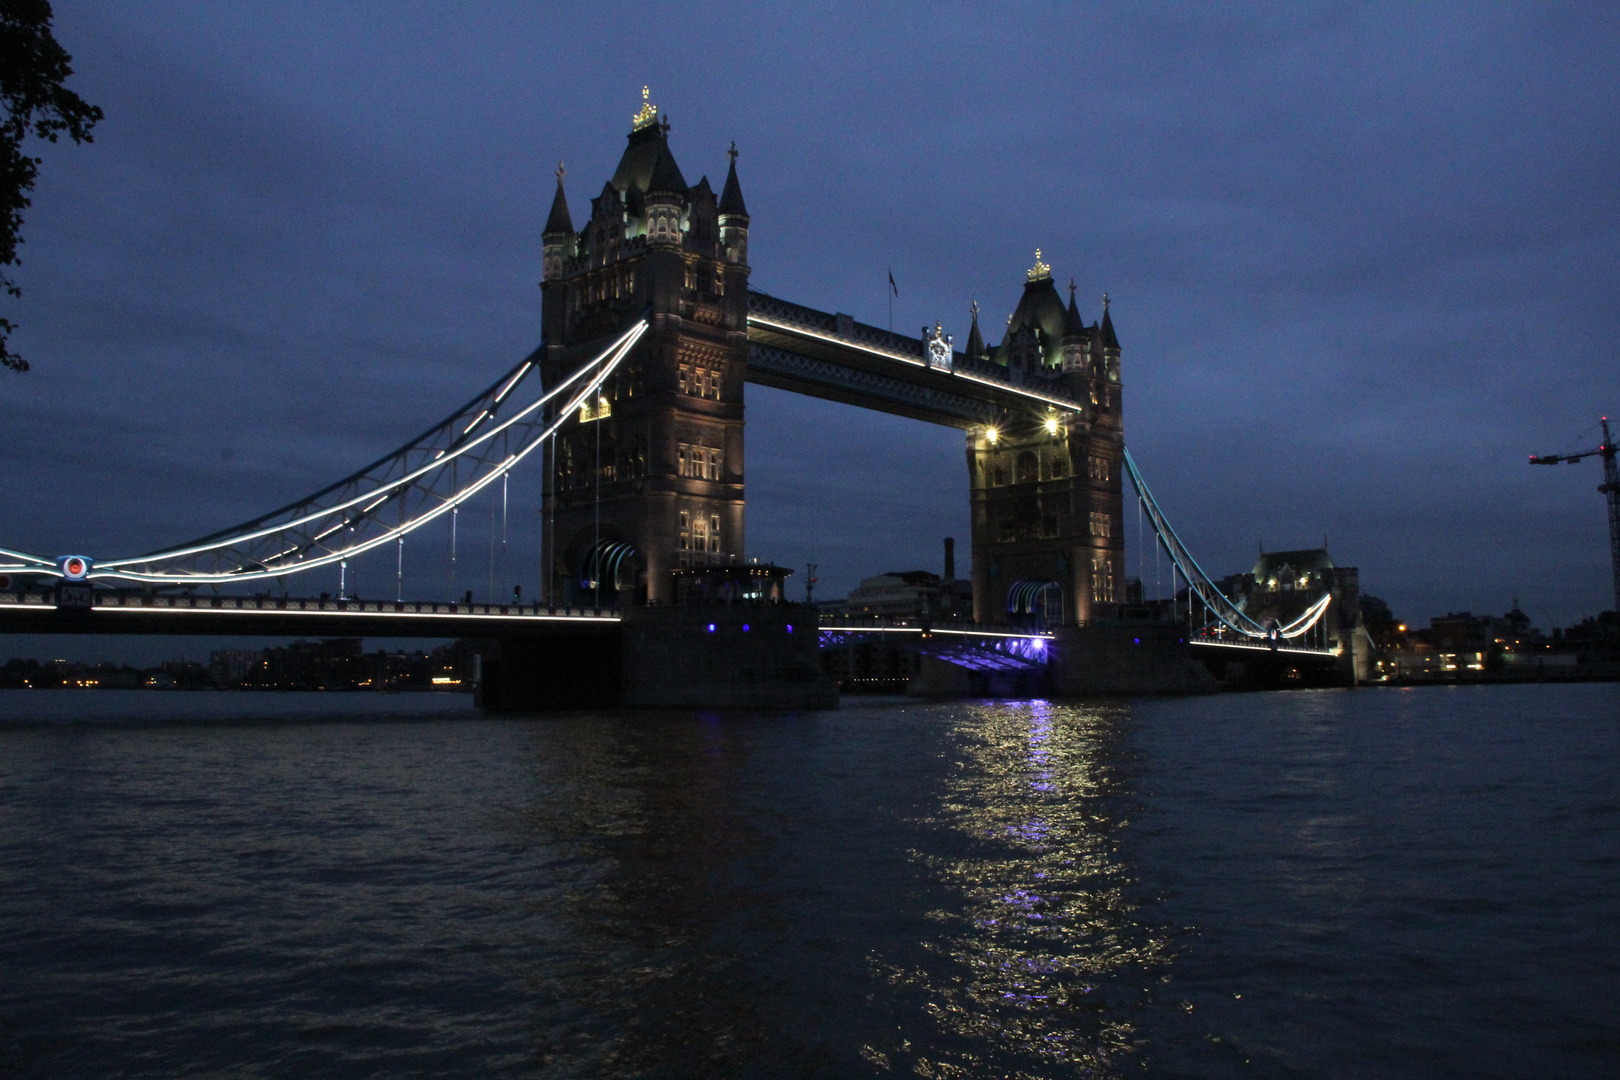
(109, 609)
(564, 416)
(1307, 620)
(1041, 635)
(805, 331)
(1259, 646)
(1068, 405)
(527, 364)
(617, 352)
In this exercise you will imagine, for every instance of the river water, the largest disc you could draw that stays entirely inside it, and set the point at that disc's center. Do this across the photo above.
(1371, 883)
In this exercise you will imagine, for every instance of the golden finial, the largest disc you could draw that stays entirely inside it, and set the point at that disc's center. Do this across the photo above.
(1040, 270)
(648, 116)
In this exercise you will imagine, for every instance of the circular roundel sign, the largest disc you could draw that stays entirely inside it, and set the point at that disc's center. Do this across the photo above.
(74, 567)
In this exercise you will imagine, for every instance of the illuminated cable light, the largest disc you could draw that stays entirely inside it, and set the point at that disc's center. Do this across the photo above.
(609, 358)
(890, 354)
(527, 364)
(620, 349)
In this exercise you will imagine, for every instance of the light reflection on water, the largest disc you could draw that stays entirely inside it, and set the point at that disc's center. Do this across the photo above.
(1040, 959)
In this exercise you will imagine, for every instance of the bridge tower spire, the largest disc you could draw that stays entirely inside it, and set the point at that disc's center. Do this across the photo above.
(733, 216)
(557, 241)
(670, 422)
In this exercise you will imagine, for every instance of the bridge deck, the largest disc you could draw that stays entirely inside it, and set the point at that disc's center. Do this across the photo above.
(110, 613)
(819, 354)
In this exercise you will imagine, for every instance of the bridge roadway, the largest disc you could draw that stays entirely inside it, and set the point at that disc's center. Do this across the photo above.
(831, 356)
(83, 611)
(112, 613)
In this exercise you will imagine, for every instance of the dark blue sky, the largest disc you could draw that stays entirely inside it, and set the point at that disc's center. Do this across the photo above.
(1362, 258)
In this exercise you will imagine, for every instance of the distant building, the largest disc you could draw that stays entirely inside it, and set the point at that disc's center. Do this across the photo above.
(898, 594)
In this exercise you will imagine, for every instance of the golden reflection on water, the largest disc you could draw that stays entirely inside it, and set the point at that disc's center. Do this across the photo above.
(1040, 962)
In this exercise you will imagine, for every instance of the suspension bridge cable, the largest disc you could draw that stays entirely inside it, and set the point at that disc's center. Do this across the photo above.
(300, 556)
(548, 533)
(596, 542)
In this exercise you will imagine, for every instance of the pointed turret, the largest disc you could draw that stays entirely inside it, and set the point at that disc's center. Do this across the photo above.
(1075, 339)
(1073, 326)
(666, 195)
(560, 221)
(975, 340)
(557, 239)
(733, 215)
(666, 176)
(1037, 322)
(1109, 341)
(731, 198)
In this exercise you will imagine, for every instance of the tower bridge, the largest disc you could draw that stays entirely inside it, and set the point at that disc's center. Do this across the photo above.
(635, 402)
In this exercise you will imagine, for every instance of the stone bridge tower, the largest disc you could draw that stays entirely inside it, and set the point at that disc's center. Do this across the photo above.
(651, 475)
(1048, 541)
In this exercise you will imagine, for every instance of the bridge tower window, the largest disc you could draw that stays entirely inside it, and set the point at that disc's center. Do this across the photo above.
(1098, 468)
(697, 461)
(1028, 467)
(1101, 525)
(700, 381)
(1102, 577)
(699, 543)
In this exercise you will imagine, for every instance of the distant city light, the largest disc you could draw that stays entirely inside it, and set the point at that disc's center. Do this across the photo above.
(790, 628)
(711, 628)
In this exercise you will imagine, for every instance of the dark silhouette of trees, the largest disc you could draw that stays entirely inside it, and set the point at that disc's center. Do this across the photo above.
(32, 69)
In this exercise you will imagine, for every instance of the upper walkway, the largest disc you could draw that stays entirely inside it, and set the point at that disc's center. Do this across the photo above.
(831, 356)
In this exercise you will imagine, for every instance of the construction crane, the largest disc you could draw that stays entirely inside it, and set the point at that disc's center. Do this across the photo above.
(1610, 488)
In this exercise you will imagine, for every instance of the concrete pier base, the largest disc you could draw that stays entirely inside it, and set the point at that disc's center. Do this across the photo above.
(734, 656)
(937, 677)
(1125, 658)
